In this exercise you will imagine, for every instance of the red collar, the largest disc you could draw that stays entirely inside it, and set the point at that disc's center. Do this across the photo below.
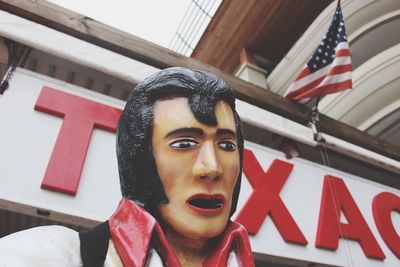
(132, 229)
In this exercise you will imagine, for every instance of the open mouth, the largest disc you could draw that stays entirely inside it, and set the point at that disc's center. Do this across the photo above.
(208, 204)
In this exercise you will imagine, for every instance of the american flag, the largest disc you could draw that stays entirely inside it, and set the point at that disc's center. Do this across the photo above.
(329, 69)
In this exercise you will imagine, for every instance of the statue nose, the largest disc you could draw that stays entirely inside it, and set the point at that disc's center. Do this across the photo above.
(207, 163)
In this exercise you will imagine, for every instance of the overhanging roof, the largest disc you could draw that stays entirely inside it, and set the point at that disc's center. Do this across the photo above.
(268, 28)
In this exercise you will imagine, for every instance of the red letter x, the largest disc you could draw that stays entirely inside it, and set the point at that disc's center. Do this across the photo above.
(265, 199)
(80, 117)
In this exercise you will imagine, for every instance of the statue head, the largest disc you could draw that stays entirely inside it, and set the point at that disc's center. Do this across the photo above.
(178, 107)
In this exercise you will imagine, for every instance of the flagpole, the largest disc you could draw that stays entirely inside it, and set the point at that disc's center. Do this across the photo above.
(315, 120)
(317, 134)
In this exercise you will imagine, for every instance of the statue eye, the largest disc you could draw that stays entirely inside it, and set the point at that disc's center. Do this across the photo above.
(227, 145)
(184, 144)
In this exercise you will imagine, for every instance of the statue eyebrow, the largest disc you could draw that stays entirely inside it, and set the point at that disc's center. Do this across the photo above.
(185, 131)
(226, 132)
(199, 132)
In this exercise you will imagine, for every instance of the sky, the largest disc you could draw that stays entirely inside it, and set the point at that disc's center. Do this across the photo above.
(153, 20)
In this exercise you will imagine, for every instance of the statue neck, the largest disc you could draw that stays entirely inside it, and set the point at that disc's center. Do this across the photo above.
(190, 252)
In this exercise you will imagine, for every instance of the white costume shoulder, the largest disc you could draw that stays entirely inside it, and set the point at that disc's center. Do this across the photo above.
(44, 246)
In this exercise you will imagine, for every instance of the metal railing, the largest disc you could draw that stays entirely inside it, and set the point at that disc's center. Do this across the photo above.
(192, 26)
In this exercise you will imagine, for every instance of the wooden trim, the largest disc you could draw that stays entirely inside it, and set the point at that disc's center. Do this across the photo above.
(47, 214)
(246, 56)
(3, 52)
(94, 32)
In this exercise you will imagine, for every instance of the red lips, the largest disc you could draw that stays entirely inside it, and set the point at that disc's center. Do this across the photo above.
(206, 204)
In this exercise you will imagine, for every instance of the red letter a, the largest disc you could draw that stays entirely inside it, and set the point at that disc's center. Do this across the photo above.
(336, 198)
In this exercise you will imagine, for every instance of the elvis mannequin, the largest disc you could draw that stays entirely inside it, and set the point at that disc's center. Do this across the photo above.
(179, 150)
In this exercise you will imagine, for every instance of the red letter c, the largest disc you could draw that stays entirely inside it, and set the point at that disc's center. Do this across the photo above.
(382, 206)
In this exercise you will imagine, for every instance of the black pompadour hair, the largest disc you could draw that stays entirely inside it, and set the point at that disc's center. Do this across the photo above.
(138, 174)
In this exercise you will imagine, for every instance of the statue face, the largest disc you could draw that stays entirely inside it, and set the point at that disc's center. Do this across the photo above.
(198, 165)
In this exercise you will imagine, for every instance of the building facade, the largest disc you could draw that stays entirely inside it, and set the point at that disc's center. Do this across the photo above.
(58, 163)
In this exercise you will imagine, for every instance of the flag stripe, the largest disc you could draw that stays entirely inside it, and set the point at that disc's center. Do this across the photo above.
(330, 89)
(324, 81)
(343, 53)
(340, 61)
(342, 45)
(305, 72)
(327, 81)
(341, 74)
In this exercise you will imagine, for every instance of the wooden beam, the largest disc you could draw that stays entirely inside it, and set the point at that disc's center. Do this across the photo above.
(94, 32)
(47, 214)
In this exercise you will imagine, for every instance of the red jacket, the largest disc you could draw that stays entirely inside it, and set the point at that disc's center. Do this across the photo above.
(134, 231)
